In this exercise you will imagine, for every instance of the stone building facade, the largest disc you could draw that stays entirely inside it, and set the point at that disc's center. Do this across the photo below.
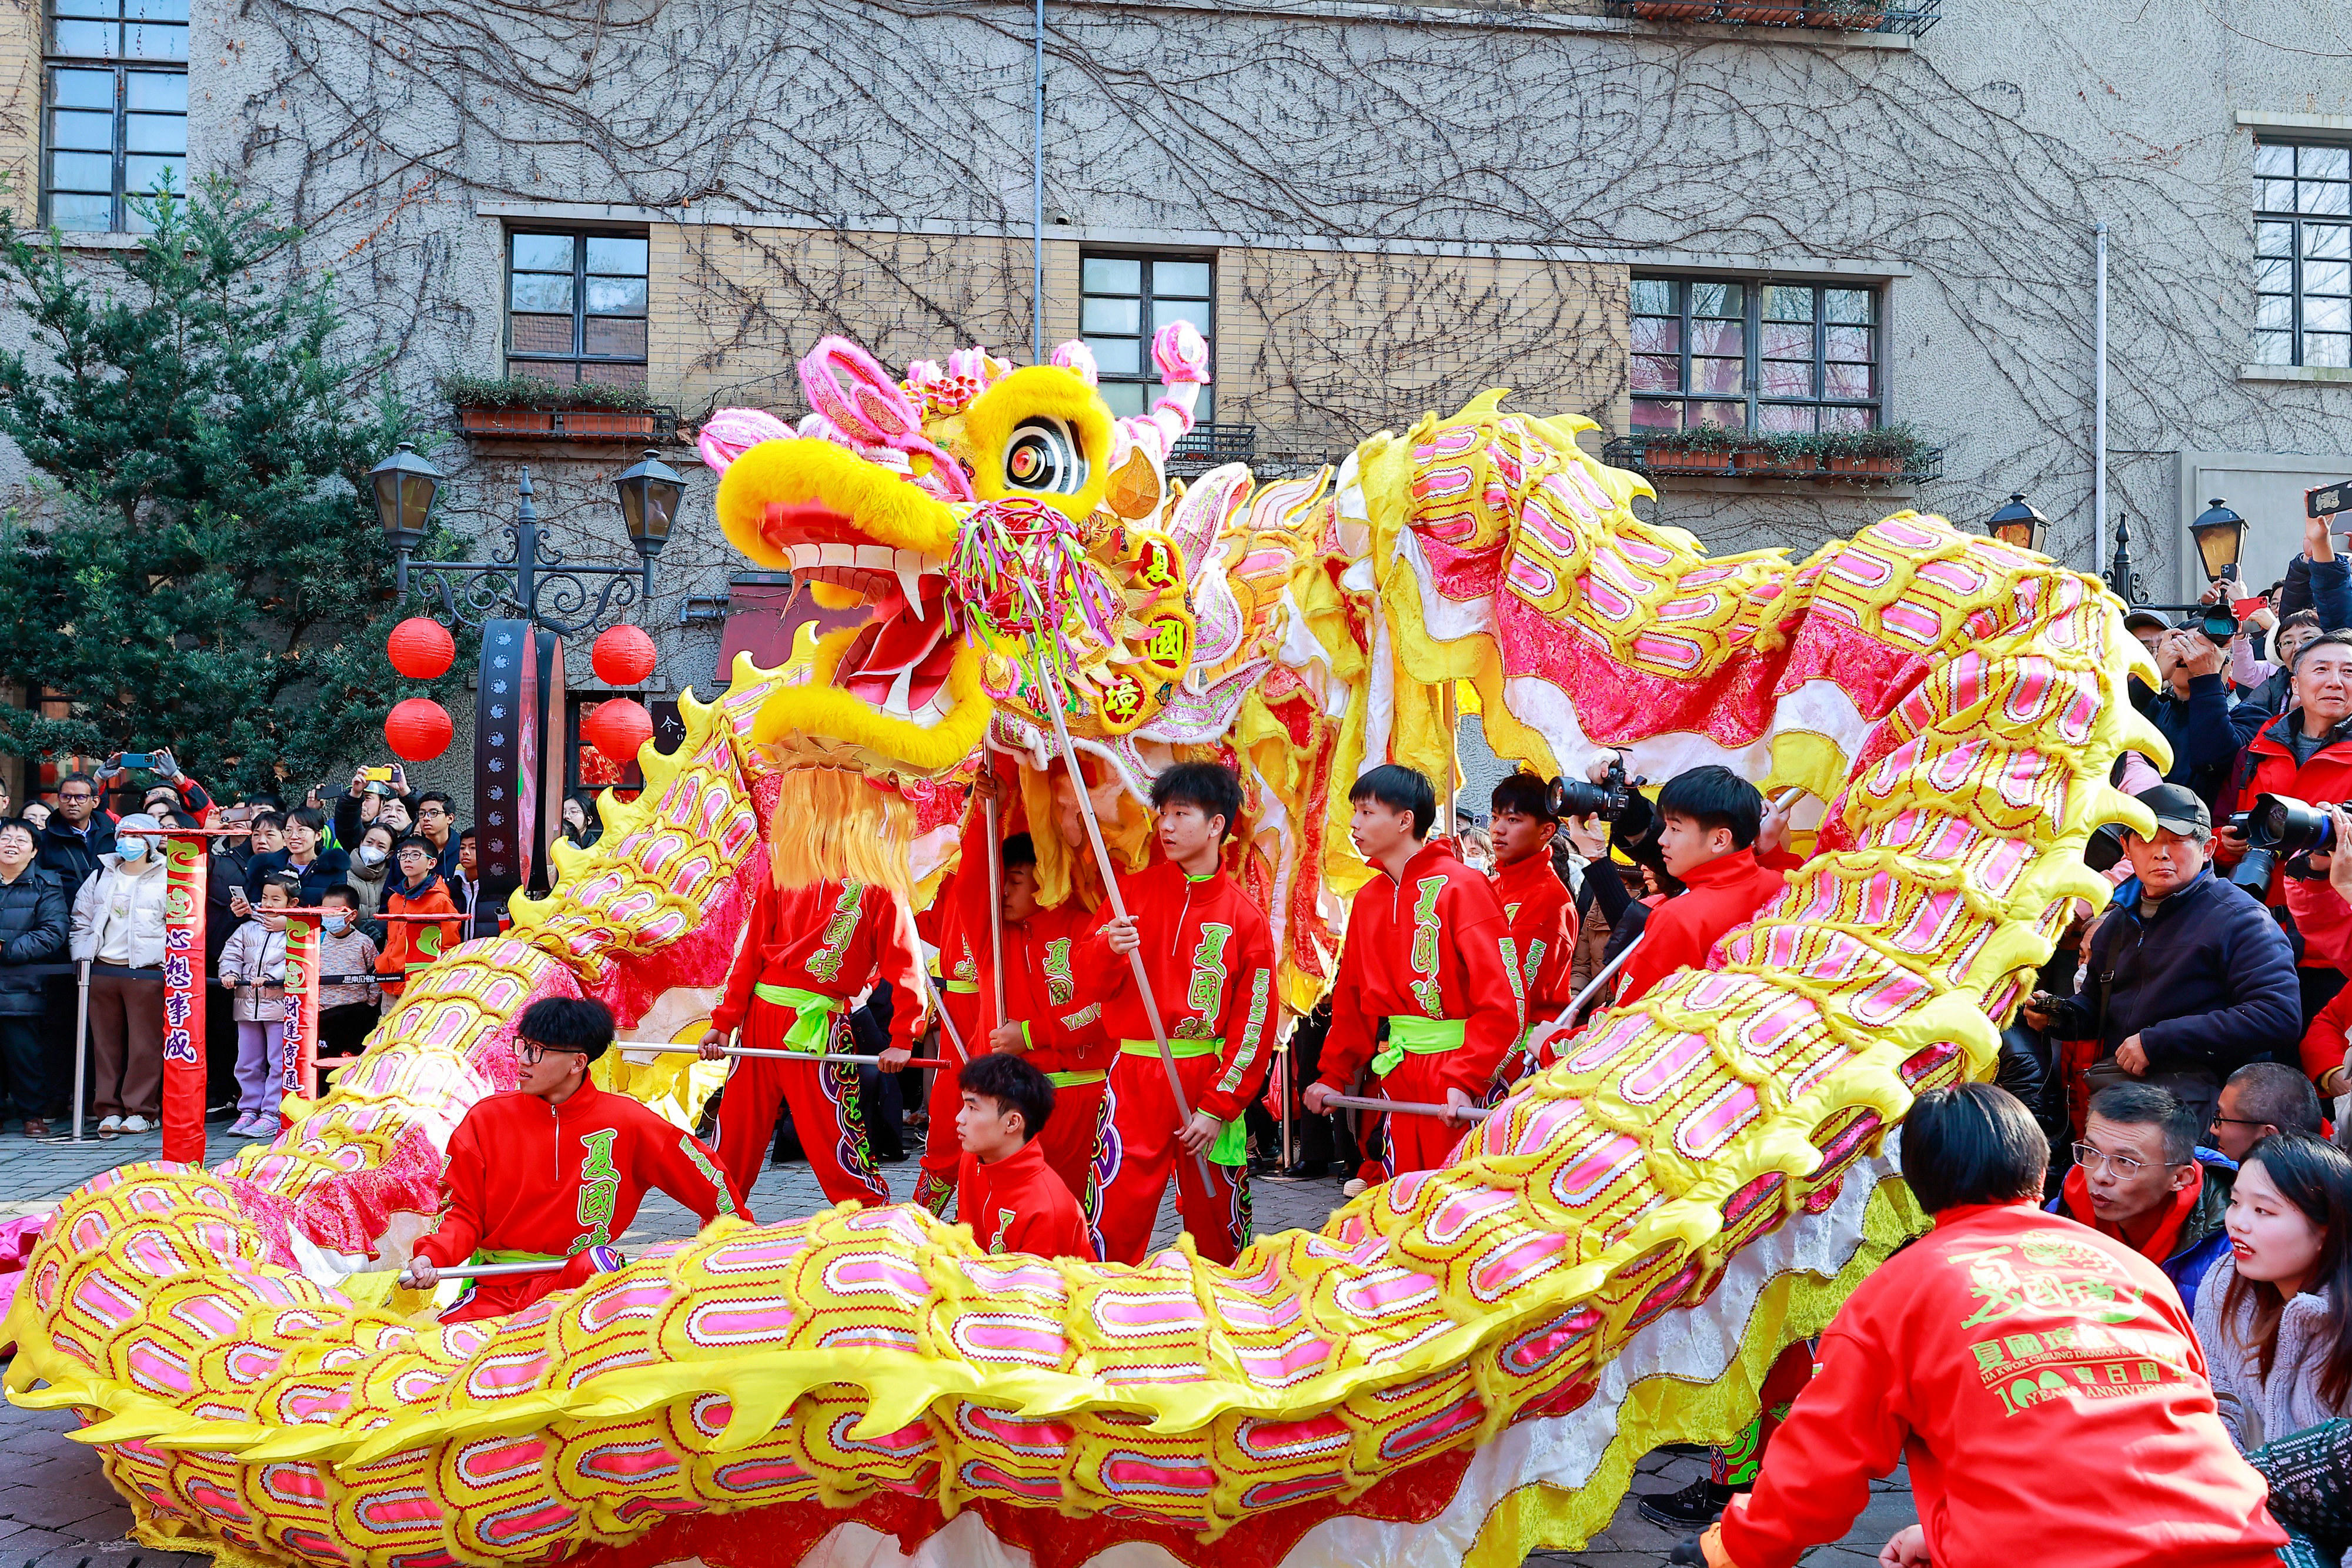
(1379, 208)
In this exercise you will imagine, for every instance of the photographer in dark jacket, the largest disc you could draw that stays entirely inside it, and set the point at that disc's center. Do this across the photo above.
(2187, 983)
(33, 918)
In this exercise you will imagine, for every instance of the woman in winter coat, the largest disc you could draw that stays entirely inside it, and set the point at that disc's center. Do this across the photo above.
(33, 913)
(2275, 1322)
(118, 926)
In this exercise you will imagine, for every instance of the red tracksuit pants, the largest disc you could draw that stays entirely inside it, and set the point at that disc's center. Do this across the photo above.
(935, 1186)
(822, 1097)
(1073, 1135)
(1417, 1143)
(1139, 1149)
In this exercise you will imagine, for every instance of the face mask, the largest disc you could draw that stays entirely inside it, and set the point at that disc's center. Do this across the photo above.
(336, 924)
(371, 855)
(131, 849)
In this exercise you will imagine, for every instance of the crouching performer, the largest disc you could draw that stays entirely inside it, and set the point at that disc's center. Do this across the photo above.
(556, 1167)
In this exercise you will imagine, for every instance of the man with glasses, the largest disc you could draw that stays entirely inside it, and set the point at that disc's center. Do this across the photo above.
(77, 834)
(2262, 1098)
(2139, 1178)
(557, 1167)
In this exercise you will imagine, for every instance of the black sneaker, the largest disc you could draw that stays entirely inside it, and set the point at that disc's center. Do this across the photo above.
(1694, 1506)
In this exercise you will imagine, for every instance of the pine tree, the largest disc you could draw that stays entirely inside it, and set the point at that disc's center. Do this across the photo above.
(207, 571)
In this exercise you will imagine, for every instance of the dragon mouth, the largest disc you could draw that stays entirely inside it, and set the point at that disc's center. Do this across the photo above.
(899, 663)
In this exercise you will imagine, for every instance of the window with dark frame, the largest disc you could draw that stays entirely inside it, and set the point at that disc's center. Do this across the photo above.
(1755, 355)
(2302, 254)
(576, 306)
(1123, 300)
(115, 111)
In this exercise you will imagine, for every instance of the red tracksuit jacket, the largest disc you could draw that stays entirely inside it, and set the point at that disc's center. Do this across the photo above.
(1040, 991)
(2045, 1384)
(1210, 954)
(833, 939)
(1542, 914)
(1436, 946)
(528, 1177)
(1019, 1205)
(1716, 898)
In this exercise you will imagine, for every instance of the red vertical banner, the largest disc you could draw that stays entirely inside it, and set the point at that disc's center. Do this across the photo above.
(187, 859)
(297, 1048)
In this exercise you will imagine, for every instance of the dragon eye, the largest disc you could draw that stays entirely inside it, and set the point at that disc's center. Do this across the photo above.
(1041, 457)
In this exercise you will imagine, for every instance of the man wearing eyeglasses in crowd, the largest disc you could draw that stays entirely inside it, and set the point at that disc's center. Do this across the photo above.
(2140, 1177)
(557, 1167)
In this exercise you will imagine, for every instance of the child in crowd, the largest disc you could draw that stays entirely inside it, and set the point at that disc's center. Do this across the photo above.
(346, 1012)
(254, 966)
(412, 945)
(1005, 1191)
(1428, 951)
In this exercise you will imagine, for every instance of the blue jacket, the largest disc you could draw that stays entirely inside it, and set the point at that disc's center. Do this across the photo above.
(2205, 741)
(2207, 982)
(2202, 1241)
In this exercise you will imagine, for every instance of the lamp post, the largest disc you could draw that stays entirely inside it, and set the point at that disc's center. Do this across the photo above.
(525, 599)
(2019, 524)
(2221, 536)
(531, 577)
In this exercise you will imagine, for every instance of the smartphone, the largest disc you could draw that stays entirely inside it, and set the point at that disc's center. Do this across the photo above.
(137, 760)
(377, 775)
(2327, 500)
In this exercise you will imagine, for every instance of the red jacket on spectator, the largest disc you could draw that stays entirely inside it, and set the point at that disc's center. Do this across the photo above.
(2050, 1393)
(2325, 1041)
(2320, 913)
(1716, 899)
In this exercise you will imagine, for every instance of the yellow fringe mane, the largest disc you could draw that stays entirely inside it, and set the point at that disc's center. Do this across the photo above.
(832, 825)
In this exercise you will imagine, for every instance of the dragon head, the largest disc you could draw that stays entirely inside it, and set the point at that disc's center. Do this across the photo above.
(944, 503)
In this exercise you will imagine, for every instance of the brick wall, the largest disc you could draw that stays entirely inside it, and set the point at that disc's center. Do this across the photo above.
(20, 106)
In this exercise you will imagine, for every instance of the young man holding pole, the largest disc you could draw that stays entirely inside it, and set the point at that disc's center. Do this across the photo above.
(810, 951)
(1208, 956)
(603, 1150)
(1045, 1025)
(1430, 951)
(1541, 911)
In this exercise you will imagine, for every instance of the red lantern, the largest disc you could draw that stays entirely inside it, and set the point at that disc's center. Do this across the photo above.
(420, 648)
(617, 728)
(623, 656)
(418, 730)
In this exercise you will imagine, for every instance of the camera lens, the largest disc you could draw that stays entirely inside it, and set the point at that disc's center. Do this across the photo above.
(2218, 623)
(2254, 871)
(1577, 797)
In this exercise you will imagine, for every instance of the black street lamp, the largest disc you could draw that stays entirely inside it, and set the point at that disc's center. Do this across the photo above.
(2220, 535)
(529, 576)
(2019, 524)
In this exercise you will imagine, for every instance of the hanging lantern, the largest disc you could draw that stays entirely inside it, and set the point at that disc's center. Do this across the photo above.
(617, 728)
(420, 648)
(622, 656)
(418, 730)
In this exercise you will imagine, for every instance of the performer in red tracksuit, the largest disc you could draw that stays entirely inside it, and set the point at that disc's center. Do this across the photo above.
(1710, 817)
(1210, 954)
(959, 926)
(809, 952)
(2043, 1381)
(1428, 949)
(1540, 909)
(557, 1167)
(1045, 1025)
(1005, 1192)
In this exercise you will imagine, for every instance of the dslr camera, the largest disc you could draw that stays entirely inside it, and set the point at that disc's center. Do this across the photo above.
(1607, 799)
(2282, 828)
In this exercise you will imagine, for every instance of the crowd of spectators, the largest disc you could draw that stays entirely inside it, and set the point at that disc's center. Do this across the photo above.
(82, 879)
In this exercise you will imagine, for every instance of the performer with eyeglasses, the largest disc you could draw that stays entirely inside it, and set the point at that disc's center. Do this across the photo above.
(557, 1167)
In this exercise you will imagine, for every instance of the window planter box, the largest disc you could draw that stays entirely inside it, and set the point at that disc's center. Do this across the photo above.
(1846, 18)
(1762, 12)
(606, 423)
(1879, 466)
(1672, 460)
(1674, 10)
(506, 420)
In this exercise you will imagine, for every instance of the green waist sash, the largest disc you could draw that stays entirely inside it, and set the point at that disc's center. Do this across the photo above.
(808, 1030)
(1231, 1147)
(1416, 1037)
(1074, 1080)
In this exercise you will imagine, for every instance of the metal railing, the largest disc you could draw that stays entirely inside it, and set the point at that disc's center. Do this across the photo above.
(1911, 18)
(1207, 446)
(1645, 456)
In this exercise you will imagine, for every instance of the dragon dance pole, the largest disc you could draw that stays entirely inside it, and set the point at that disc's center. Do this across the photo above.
(1408, 1107)
(996, 903)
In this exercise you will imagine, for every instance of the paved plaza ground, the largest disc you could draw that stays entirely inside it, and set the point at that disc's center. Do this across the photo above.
(57, 1509)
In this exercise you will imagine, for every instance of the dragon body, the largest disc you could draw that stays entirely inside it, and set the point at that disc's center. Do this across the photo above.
(1462, 1363)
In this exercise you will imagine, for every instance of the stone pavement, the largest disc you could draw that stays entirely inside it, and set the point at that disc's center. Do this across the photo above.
(57, 1509)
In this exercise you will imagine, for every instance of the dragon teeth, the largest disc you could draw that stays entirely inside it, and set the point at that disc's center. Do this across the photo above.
(908, 565)
(901, 693)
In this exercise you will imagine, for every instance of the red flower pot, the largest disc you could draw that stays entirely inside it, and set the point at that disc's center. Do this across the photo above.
(505, 421)
(1671, 460)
